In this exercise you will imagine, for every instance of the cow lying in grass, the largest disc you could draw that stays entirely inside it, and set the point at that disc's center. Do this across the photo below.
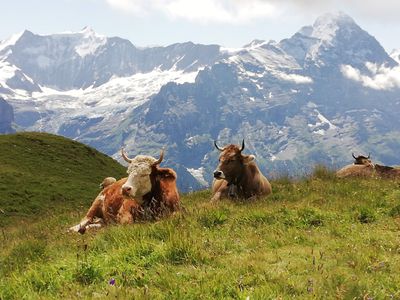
(237, 175)
(148, 191)
(363, 167)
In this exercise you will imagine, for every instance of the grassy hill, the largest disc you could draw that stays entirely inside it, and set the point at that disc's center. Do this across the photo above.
(39, 171)
(314, 238)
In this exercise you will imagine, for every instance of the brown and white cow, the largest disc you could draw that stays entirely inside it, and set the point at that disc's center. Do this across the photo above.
(147, 188)
(237, 175)
(363, 167)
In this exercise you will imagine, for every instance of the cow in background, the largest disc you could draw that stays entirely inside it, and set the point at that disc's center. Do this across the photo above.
(363, 167)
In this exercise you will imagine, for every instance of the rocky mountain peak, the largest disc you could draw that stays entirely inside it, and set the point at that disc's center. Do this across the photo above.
(328, 25)
(334, 39)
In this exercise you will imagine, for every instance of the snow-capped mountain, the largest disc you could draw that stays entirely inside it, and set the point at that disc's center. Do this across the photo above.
(327, 91)
(334, 39)
(68, 61)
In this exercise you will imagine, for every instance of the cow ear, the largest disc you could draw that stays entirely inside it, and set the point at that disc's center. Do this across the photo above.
(248, 158)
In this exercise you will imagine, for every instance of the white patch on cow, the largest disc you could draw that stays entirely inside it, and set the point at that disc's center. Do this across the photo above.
(75, 228)
(139, 171)
(97, 225)
(222, 176)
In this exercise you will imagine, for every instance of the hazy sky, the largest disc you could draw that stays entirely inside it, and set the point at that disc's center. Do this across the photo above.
(231, 23)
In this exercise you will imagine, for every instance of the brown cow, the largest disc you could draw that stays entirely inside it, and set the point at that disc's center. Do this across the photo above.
(363, 167)
(237, 175)
(147, 188)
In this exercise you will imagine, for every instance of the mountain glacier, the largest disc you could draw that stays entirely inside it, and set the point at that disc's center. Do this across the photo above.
(329, 90)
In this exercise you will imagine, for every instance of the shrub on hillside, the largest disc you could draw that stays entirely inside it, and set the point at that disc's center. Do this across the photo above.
(366, 215)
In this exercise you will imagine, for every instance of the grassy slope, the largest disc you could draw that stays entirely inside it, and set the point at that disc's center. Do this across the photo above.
(319, 237)
(39, 171)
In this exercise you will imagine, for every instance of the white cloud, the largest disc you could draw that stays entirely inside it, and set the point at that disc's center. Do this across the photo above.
(298, 79)
(128, 6)
(380, 77)
(201, 11)
(383, 10)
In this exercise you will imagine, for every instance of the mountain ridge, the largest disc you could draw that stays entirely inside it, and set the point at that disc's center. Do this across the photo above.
(315, 97)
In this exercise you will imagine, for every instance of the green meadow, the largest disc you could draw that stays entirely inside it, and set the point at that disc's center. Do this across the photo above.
(317, 237)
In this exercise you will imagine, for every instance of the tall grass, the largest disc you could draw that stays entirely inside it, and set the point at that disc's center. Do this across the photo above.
(314, 238)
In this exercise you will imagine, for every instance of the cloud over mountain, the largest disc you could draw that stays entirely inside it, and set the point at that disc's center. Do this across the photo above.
(242, 11)
(218, 11)
(380, 77)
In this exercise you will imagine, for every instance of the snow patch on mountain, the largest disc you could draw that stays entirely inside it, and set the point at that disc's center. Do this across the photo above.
(11, 40)
(90, 42)
(199, 175)
(380, 77)
(327, 25)
(119, 95)
(395, 54)
(7, 71)
(267, 55)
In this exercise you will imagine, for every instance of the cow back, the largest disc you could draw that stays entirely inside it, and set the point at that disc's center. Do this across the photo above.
(254, 183)
(356, 171)
(387, 172)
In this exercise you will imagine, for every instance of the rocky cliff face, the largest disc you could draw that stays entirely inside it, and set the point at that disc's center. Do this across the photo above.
(6, 117)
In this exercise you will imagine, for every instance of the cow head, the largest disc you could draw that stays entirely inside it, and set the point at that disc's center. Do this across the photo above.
(362, 160)
(231, 162)
(138, 183)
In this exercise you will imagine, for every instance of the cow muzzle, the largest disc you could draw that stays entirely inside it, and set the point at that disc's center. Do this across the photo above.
(127, 190)
(219, 174)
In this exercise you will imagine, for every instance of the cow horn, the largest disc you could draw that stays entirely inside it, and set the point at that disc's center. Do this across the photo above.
(125, 157)
(242, 146)
(216, 146)
(352, 154)
(160, 159)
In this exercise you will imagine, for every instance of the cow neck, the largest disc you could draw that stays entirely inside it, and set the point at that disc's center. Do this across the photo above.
(154, 186)
(237, 181)
(139, 199)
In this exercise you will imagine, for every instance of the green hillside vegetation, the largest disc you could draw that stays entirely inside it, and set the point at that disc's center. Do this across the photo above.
(314, 238)
(39, 171)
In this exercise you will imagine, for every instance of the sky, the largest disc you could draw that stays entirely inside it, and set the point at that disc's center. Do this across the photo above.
(230, 23)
